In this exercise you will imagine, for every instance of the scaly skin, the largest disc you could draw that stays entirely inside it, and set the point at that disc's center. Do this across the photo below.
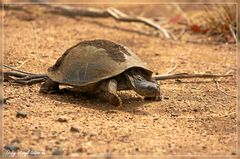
(138, 83)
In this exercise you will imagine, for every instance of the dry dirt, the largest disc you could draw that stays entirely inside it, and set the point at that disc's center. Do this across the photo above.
(194, 118)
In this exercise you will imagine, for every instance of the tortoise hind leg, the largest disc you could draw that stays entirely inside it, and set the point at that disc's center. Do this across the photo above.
(50, 86)
(109, 92)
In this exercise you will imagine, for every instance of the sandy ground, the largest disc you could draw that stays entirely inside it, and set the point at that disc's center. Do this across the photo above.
(194, 118)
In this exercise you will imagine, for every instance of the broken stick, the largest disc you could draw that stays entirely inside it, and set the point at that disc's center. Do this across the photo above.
(94, 12)
(218, 85)
(21, 76)
(187, 75)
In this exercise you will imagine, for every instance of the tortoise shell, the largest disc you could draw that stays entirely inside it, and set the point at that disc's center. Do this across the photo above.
(92, 61)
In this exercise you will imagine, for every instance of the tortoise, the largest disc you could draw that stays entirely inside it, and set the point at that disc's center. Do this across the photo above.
(103, 67)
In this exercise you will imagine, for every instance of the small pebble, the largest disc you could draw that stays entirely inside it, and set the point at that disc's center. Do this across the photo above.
(92, 133)
(169, 145)
(11, 147)
(178, 80)
(166, 97)
(195, 110)
(232, 115)
(58, 142)
(4, 100)
(21, 114)
(111, 112)
(62, 119)
(74, 129)
(155, 117)
(80, 150)
(131, 117)
(15, 141)
(175, 114)
(58, 151)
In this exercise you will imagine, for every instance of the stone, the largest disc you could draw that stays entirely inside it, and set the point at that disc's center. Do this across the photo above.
(21, 114)
(62, 119)
(74, 129)
(58, 151)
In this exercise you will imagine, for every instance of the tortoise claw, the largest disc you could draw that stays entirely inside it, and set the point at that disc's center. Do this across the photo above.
(115, 100)
(50, 91)
(50, 87)
(157, 98)
(112, 98)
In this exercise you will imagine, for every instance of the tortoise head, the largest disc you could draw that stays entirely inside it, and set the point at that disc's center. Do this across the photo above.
(142, 83)
(148, 89)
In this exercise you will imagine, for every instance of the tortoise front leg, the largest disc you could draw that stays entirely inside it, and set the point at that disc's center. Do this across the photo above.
(109, 91)
(50, 86)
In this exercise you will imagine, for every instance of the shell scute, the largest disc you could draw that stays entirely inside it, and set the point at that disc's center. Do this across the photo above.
(92, 61)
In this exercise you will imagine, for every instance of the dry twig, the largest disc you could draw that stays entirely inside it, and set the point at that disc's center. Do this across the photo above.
(118, 15)
(94, 12)
(218, 85)
(233, 34)
(22, 63)
(32, 81)
(21, 78)
(11, 68)
(24, 78)
(225, 74)
(218, 88)
(172, 69)
(186, 75)
(157, 77)
(15, 7)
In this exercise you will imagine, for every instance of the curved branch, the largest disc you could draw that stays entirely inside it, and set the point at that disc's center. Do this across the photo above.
(110, 12)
